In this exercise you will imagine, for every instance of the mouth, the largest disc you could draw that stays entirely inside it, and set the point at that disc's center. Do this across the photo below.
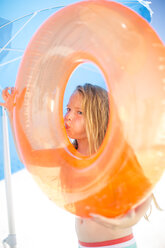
(66, 126)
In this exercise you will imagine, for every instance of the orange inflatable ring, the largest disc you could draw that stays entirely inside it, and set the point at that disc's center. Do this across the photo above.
(132, 157)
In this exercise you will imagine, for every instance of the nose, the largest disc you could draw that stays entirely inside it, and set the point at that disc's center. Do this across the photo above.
(68, 116)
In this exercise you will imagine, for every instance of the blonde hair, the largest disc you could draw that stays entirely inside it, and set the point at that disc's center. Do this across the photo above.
(147, 215)
(96, 113)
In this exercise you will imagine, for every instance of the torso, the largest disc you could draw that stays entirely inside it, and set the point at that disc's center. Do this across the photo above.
(89, 231)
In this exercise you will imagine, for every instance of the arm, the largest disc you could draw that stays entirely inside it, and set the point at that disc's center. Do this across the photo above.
(129, 219)
(46, 157)
(8, 95)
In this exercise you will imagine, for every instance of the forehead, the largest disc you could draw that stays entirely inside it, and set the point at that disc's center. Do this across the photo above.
(76, 99)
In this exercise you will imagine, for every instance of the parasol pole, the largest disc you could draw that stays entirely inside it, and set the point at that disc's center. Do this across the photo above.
(10, 241)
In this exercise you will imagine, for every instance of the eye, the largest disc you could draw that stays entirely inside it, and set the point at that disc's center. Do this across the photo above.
(80, 112)
(68, 109)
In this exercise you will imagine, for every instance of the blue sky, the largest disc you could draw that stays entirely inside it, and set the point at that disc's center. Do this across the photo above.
(158, 18)
(13, 9)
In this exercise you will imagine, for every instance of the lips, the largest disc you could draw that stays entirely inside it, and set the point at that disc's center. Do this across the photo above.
(67, 126)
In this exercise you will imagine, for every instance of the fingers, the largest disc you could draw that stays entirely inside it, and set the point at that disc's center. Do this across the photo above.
(143, 207)
(7, 89)
(8, 95)
(130, 214)
(125, 220)
(12, 90)
(7, 92)
(2, 104)
(106, 220)
(116, 222)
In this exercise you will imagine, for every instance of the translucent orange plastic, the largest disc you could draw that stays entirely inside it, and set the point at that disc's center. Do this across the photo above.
(131, 159)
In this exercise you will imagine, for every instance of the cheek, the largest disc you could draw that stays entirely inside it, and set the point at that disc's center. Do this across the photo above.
(65, 116)
(79, 126)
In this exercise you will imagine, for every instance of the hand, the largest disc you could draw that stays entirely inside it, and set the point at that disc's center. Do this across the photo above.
(8, 95)
(121, 221)
(124, 221)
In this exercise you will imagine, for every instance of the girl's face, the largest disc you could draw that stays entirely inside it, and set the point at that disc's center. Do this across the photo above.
(74, 119)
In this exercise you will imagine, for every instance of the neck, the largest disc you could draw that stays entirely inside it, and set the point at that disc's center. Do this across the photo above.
(83, 147)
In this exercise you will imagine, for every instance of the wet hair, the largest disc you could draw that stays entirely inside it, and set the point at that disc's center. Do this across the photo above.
(96, 113)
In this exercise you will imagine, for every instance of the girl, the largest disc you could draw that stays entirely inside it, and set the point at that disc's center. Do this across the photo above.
(86, 122)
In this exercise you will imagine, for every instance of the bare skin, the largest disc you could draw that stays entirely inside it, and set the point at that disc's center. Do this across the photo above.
(75, 123)
(97, 228)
